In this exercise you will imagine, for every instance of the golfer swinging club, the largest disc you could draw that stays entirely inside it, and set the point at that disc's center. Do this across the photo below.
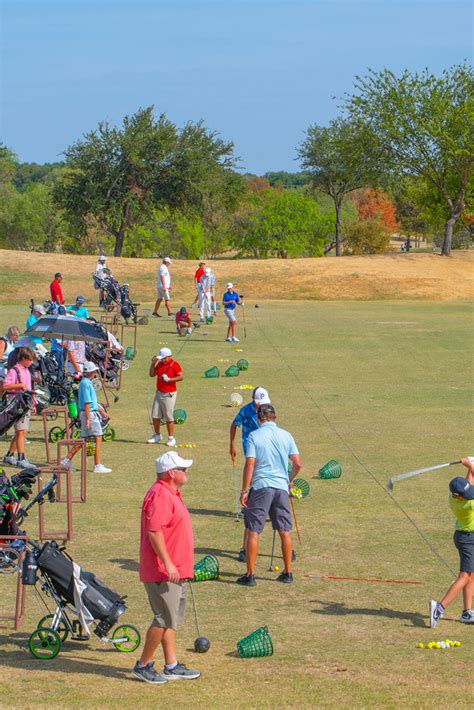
(265, 489)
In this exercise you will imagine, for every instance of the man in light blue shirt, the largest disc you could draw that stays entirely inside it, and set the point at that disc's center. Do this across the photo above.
(266, 471)
(37, 312)
(79, 310)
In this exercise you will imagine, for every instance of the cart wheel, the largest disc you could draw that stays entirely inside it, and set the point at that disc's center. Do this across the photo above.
(125, 364)
(55, 434)
(9, 560)
(62, 630)
(128, 638)
(76, 434)
(44, 644)
(109, 434)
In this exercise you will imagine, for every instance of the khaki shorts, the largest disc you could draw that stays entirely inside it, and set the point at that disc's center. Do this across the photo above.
(163, 293)
(168, 603)
(163, 406)
(23, 424)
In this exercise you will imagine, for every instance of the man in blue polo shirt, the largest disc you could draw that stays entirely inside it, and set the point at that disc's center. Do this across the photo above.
(79, 309)
(265, 489)
(230, 299)
(247, 419)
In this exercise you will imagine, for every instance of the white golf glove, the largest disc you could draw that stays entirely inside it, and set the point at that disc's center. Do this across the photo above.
(165, 377)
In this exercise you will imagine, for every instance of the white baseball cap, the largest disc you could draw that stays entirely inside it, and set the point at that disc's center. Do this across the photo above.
(167, 260)
(164, 352)
(89, 367)
(230, 286)
(207, 271)
(39, 309)
(261, 396)
(171, 460)
(102, 258)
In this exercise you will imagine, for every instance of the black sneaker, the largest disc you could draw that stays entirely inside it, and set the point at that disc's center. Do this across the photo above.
(180, 672)
(247, 580)
(285, 577)
(242, 555)
(148, 674)
(156, 315)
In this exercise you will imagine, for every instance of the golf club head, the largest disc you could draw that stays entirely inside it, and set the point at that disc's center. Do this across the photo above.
(390, 486)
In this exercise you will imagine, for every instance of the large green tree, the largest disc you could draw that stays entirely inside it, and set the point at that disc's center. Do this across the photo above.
(339, 161)
(423, 125)
(120, 175)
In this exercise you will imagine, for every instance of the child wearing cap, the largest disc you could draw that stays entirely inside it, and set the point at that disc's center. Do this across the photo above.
(230, 299)
(183, 322)
(461, 502)
(167, 372)
(89, 416)
(207, 294)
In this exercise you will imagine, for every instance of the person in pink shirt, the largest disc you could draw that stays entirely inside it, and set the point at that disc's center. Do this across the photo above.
(18, 379)
(166, 562)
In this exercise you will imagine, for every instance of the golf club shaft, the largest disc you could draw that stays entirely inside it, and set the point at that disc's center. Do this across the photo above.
(418, 472)
(296, 522)
(236, 493)
(270, 569)
(243, 314)
(194, 607)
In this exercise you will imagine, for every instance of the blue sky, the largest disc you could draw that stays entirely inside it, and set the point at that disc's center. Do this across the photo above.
(259, 72)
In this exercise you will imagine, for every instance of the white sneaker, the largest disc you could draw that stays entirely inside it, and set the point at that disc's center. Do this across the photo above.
(155, 439)
(229, 340)
(10, 460)
(235, 340)
(67, 462)
(24, 463)
(171, 441)
(99, 468)
(467, 617)
(189, 331)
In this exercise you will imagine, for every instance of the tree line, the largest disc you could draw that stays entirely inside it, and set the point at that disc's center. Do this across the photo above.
(398, 159)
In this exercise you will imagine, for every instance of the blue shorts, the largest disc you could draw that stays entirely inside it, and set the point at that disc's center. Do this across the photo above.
(268, 502)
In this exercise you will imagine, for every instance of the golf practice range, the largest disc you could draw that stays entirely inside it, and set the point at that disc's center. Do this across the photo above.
(382, 387)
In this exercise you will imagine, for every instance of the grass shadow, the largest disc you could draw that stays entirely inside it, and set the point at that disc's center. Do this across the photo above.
(340, 609)
(207, 511)
(125, 563)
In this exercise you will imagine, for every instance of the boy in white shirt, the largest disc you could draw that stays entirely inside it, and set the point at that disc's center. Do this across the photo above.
(163, 288)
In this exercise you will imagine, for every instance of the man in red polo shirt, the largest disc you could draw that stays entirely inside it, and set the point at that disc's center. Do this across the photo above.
(167, 372)
(166, 562)
(55, 289)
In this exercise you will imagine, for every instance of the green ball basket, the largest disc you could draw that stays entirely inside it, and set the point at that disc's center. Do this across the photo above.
(232, 371)
(179, 416)
(331, 469)
(130, 353)
(209, 320)
(256, 644)
(206, 569)
(212, 372)
(243, 364)
(302, 486)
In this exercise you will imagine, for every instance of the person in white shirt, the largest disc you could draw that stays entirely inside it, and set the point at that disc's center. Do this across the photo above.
(207, 294)
(100, 267)
(163, 288)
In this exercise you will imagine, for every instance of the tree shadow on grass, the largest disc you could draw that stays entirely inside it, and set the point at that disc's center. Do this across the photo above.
(340, 609)
(126, 563)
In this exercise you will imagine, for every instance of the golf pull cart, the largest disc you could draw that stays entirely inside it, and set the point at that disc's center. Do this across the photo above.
(75, 593)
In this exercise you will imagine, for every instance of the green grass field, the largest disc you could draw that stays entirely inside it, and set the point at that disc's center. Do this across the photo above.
(391, 381)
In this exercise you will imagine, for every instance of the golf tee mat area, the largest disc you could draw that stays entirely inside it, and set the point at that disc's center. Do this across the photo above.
(381, 386)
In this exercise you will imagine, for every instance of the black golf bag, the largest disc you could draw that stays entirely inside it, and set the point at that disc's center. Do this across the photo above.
(127, 308)
(79, 588)
(13, 408)
(54, 378)
(97, 354)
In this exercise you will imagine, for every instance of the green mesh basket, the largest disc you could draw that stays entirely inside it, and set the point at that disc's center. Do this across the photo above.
(299, 488)
(331, 469)
(206, 569)
(179, 416)
(243, 364)
(232, 371)
(256, 644)
(130, 353)
(90, 447)
(209, 319)
(212, 372)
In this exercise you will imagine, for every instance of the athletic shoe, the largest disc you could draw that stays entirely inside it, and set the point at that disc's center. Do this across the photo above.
(202, 320)
(9, 460)
(148, 674)
(247, 580)
(171, 441)
(189, 331)
(467, 617)
(24, 463)
(242, 555)
(67, 462)
(155, 439)
(170, 315)
(285, 577)
(436, 612)
(235, 340)
(180, 672)
(228, 340)
(99, 468)
(156, 315)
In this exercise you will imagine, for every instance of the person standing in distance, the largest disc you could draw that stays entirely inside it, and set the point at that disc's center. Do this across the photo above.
(265, 489)
(197, 283)
(166, 562)
(167, 372)
(163, 288)
(56, 290)
(230, 300)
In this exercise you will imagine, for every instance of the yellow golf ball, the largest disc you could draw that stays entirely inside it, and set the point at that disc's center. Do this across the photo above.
(421, 645)
(276, 568)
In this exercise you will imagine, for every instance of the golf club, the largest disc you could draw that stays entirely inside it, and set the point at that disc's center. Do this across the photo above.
(417, 472)
(296, 522)
(201, 644)
(270, 569)
(243, 315)
(236, 493)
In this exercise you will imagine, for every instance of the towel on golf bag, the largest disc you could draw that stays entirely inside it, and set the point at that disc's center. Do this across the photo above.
(13, 408)
(91, 598)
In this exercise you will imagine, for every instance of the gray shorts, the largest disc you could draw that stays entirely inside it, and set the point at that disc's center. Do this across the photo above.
(268, 502)
(464, 542)
(95, 429)
(163, 406)
(23, 424)
(230, 313)
(168, 603)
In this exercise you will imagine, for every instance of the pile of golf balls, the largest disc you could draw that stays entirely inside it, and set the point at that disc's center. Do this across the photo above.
(223, 359)
(163, 342)
(239, 350)
(244, 387)
(296, 493)
(440, 644)
(187, 446)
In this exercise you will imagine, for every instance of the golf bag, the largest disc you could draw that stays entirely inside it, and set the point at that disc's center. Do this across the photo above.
(13, 408)
(112, 294)
(96, 353)
(127, 308)
(54, 378)
(69, 584)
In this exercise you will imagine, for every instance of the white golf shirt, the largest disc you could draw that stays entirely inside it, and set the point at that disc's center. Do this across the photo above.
(164, 276)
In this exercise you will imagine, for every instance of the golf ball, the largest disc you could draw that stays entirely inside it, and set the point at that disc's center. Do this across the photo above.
(421, 645)
(276, 568)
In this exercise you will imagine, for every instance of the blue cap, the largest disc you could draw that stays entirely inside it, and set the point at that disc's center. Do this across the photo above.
(61, 311)
(460, 486)
(80, 299)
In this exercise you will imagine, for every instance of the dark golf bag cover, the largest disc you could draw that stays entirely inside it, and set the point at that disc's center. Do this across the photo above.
(102, 603)
(12, 409)
(54, 378)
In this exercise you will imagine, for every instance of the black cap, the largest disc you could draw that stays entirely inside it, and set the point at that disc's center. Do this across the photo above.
(460, 486)
(182, 310)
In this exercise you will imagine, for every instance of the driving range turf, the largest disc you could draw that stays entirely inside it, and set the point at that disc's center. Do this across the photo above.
(394, 380)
